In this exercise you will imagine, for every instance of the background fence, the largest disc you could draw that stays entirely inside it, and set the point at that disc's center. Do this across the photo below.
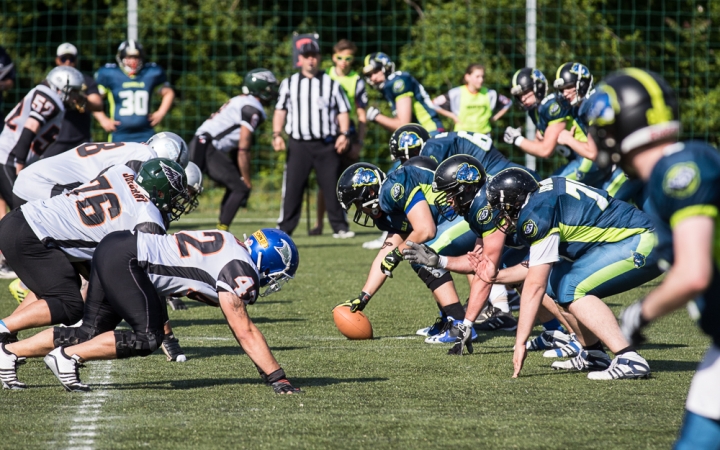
(206, 47)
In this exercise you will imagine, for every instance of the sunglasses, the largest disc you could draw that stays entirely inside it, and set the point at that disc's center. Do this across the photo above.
(66, 58)
(344, 58)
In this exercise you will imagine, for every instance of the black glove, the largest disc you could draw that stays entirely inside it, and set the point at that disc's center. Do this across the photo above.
(632, 322)
(176, 304)
(357, 304)
(463, 340)
(390, 262)
(421, 254)
(279, 383)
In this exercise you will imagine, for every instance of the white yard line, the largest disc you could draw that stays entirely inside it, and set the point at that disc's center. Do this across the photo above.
(85, 422)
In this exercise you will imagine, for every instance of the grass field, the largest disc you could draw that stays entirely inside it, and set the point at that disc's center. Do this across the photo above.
(392, 392)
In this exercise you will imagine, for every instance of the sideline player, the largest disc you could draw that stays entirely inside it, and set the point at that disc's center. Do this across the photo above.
(35, 122)
(132, 271)
(637, 114)
(471, 106)
(584, 246)
(228, 131)
(407, 97)
(129, 86)
(45, 240)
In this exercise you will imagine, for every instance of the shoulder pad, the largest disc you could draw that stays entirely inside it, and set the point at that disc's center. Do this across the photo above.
(547, 99)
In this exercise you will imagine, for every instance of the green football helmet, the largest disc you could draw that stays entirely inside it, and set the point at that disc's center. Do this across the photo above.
(262, 84)
(165, 183)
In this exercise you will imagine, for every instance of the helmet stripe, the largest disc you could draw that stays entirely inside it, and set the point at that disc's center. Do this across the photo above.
(660, 111)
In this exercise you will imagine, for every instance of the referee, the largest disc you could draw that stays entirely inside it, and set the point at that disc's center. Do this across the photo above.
(316, 109)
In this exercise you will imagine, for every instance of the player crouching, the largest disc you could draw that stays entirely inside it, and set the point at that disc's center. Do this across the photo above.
(130, 274)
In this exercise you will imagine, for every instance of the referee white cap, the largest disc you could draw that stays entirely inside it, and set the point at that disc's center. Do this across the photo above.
(67, 49)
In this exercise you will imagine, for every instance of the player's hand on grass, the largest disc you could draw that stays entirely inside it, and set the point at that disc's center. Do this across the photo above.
(463, 341)
(519, 358)
(357, 304)
(632, 323)
(284, 387)
(390, 262)
(421, 254)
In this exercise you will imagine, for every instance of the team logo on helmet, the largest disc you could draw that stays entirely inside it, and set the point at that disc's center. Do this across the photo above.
(467, 174)
(408, 139)
(530, 228)
(537, 75)
(682, 180)
(580, 70)
(173, 176)
(484, 215)
(364, 177)
(397, 191)
(601, 111)
(265, 75)
(285, 253)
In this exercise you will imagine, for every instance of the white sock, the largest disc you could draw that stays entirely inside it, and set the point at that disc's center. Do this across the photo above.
(502, 306)
(467, 323)
(496, 291)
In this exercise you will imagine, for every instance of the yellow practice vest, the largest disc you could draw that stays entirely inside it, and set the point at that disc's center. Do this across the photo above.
(349, 84)
(475, 111)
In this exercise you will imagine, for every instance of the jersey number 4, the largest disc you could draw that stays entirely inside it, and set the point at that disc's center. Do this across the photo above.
(133, 103)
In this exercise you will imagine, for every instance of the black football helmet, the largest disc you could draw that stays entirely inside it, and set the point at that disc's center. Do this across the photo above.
(130, 48)
(407, 141)
(377, 61)
(571, 75)
(631, 110)
(506, 193)
(526, 80)
(424, 162)
(359, 185)
(458, 178)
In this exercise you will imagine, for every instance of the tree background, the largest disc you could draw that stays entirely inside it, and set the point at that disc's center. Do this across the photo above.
(207, 46)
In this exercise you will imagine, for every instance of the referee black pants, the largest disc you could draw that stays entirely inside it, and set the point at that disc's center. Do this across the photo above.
(302, 157)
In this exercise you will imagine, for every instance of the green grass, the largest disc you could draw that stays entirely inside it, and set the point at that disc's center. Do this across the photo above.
(392, 392)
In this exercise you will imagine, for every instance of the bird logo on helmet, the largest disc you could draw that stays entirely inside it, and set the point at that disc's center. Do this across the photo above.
(575, 75)
(365, 177)
(375, 62)
(467, 174)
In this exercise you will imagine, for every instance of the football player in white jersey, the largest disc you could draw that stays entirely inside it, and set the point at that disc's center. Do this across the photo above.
(230, 130)
(35, 122)
(130, 274)
(45, 240)
(66, 171)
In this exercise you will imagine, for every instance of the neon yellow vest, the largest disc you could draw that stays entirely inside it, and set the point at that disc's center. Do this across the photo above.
(349, 84)
(475, 111)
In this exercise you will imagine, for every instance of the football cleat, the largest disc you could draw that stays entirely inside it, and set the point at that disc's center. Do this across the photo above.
(485, 313)
(8, 338)
(375, 244)
(586, 360)
(449, 334)
(66, 369)
(8, 369)
(547, 340)
(18, 290)
(463, 341)
(176, 304)
(498, 321)
(435, 329)
(514, 300)
(569, 350)
(6, 273)
(171, 347)
(629, 365)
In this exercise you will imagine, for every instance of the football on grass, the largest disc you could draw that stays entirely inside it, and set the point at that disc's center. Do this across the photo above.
(352, 325)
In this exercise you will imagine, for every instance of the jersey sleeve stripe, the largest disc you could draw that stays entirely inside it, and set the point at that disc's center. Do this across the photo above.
(692, 211)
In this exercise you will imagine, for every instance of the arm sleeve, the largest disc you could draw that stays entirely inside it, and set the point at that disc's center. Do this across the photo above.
(283, 95)
(361, 96)
(22, 146)
(149, 228)
(250, 117)
(91, 85)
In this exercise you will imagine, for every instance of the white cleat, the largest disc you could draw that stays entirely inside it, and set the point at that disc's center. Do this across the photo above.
(569, 350)
(627, 366)
(586, 360)
(8, 369)
(66, 369)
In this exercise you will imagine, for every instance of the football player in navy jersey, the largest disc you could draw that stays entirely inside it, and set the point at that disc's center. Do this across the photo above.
(584, 246)
(635, 123)
(129, 86)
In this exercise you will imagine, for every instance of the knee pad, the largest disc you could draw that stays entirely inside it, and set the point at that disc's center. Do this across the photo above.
(67, 336)
(67, 311)
(129, 344)
(434, 278)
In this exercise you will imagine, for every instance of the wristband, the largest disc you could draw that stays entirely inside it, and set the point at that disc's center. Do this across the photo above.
(519, 140)
(276, 134)
(275, 376)
(442, 262)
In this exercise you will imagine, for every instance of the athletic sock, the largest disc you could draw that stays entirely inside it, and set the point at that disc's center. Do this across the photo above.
(497, 290)
(3, 328)
(629, 348)
(552, 325)
(455, 310)
(502, 306)
(596, 346)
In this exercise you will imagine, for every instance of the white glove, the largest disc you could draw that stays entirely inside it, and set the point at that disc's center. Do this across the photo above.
(513, 136)
(372, 113)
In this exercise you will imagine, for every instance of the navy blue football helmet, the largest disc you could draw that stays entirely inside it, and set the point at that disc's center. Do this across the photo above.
(275, 256)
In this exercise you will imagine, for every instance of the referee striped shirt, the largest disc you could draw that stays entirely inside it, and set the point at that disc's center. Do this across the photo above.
(312, 105)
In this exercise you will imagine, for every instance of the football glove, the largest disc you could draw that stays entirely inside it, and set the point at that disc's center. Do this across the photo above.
(632, 323)
(357, 304)
(176, 304)
(371, 114)
(463, 341)
(390, 262)
(513, 136)
(278, 381)
(421, 254)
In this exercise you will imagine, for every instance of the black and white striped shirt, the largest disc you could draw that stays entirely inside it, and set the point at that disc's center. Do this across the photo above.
(312, 105)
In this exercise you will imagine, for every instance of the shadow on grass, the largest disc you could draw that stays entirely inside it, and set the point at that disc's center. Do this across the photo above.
(210, 382)
(226, 350)
(664, 365)
(657, 346)
(256, 320)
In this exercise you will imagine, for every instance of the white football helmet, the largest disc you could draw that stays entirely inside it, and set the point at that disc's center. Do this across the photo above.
(171, 146)
(70, 84)
(194, 183)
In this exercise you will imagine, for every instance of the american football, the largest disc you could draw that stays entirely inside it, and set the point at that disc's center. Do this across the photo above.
(354, 326)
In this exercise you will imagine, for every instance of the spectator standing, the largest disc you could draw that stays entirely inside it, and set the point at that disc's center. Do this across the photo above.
(75, 129)
(315, 111)
(129, 85)
(354, 87)
(471, 106)
(7, 77)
